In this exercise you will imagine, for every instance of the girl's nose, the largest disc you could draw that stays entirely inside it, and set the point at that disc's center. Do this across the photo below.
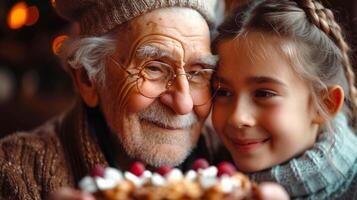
(242, 115)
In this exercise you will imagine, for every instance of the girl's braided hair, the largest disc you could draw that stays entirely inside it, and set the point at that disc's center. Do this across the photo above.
(324, 18)
(321, 53)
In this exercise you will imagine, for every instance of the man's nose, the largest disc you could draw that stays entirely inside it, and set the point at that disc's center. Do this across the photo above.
(178, 96)
(242, 115)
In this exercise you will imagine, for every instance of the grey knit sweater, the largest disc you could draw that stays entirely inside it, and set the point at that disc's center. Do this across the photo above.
(323, 172)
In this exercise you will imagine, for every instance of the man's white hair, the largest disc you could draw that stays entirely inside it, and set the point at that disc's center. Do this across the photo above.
(89, 53)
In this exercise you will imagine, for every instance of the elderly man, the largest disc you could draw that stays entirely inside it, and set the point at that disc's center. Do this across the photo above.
(142, 71)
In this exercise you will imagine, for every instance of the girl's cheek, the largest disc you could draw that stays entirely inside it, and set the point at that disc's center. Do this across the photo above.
(274, 121)
(218, 118)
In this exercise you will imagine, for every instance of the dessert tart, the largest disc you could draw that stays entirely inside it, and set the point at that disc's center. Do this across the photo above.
(221, 182)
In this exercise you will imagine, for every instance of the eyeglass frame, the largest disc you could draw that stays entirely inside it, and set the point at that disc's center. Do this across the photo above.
(168, 84)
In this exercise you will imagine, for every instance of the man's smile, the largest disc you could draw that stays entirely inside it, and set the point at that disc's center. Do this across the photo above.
(162, 125)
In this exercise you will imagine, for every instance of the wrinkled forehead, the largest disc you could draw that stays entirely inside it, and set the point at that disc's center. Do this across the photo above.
(178, 31)
(175, 21)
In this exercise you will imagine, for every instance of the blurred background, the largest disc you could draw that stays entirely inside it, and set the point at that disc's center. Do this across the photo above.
(34, 87)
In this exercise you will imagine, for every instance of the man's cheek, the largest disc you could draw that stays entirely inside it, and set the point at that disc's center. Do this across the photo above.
(116, 96)
(202, 111)
(137, 102)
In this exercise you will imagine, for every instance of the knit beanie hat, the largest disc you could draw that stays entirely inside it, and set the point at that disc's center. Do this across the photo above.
(96, 17)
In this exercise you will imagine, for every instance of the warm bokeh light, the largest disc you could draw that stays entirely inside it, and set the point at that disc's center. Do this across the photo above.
(32, 15)
(17, 15)
(57, 43)
(53, 2)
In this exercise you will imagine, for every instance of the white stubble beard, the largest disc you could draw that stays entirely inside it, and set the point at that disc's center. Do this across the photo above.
(143, 140)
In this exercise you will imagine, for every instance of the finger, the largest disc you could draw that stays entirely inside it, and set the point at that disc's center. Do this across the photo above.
(70, 194)
(272, 191)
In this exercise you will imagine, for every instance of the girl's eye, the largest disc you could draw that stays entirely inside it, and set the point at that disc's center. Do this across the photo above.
(223, 93)
(264, 94)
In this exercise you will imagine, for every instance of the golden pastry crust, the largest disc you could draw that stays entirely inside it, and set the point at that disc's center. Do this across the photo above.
(208, 184)
(122, 191)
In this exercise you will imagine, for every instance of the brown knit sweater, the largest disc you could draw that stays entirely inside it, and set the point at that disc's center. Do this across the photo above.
(59, 153)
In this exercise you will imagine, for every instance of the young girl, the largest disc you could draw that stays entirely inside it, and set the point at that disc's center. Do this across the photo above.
(285, 100)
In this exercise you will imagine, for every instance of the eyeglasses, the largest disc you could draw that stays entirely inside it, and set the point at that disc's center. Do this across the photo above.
(154, 78)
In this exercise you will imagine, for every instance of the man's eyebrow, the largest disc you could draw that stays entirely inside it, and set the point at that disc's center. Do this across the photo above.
(264, 79)
(210, 61)
(150, 51)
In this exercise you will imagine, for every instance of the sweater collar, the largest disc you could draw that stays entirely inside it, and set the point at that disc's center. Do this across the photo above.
(323, 168)
(79, 145)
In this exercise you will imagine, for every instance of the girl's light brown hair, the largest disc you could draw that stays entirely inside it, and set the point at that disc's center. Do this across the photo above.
(318, 51)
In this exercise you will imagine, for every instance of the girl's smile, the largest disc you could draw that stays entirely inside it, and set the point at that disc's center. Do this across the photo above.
(263, 110)
(249, 145)
(285, 102)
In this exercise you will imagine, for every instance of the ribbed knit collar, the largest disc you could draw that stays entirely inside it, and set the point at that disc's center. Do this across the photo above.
(320, 171)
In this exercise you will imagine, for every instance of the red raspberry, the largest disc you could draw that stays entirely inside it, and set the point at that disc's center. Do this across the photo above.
(163, 170)
(225, 168)
(97, 171)
(200, 164)
(137, 168)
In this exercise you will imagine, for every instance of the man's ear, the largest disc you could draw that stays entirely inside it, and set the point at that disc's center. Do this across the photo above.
(333, 101)
(86, 88)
